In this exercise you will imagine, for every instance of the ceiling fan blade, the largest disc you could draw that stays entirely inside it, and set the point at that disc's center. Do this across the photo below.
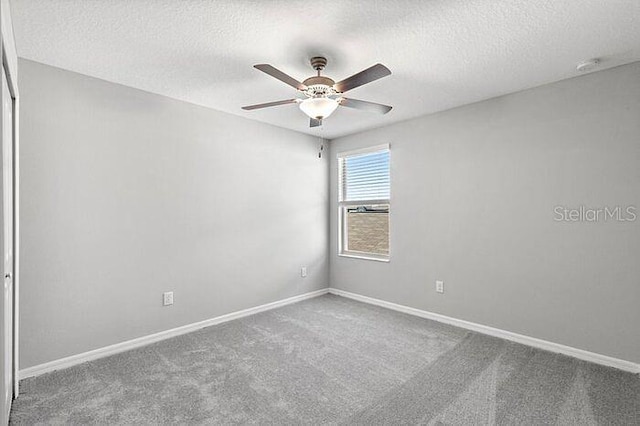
(363, 77)
(276, 73)
(314, 122)
(365, 105)
(269, 104)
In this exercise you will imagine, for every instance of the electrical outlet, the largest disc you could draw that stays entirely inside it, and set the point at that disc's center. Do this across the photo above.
(303, 271)
(167, 298)
(440, 286)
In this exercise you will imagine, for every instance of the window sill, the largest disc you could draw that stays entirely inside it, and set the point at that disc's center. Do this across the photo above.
(365, 257)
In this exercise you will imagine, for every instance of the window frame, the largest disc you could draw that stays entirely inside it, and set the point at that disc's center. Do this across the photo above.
(343, 205)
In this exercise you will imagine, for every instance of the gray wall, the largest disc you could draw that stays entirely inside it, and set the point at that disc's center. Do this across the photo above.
(242, 205)
(473, 197)
(126, 194)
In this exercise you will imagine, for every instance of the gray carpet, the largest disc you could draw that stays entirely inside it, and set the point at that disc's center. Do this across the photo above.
(331, 360)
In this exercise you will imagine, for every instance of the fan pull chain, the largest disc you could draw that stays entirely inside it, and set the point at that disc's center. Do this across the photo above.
(321, 140)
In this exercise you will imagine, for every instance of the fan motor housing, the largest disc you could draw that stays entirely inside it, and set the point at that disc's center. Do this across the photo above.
(318, 80)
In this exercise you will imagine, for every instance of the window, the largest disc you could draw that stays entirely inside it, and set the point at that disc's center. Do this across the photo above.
(364, 203)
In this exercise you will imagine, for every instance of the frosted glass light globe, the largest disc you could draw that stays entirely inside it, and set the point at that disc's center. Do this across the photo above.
(318, 108)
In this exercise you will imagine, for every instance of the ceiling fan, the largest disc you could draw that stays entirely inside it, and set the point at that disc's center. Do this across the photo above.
(323, 95)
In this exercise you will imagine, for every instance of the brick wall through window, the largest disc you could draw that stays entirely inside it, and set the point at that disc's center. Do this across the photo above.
(368, 232)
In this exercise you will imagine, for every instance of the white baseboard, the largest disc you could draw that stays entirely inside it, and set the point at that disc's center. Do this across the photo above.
(156, 337)
(496, 332)
(152, 338)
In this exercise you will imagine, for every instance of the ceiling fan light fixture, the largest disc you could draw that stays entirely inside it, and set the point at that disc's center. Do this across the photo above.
(323, 95)
(318, 108)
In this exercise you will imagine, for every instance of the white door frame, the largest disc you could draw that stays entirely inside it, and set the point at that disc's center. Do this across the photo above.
(10, 64)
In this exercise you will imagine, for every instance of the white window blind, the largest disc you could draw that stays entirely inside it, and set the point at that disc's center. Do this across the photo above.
(365, 176)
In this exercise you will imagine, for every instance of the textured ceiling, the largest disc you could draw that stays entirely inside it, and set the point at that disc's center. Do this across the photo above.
(443, 53)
